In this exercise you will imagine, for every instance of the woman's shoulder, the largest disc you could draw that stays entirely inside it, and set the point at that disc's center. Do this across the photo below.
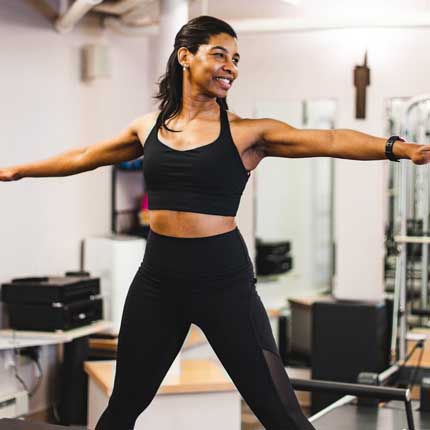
(238, 121)
(232, 116)
(144, 124)
(146, 120)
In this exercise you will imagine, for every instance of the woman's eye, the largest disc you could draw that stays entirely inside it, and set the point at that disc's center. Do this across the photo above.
(235, 60)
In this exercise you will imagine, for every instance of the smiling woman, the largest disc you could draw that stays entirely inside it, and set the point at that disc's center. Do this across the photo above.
(197, 161)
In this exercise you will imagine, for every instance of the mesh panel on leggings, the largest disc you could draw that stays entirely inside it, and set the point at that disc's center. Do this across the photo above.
(293, 417)
(285, 392)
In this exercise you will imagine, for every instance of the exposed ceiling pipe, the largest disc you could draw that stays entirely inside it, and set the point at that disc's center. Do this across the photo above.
(115, 24)
(143, 21)
(118, 8)
(135, 17)
(142, 15)
(79, 8)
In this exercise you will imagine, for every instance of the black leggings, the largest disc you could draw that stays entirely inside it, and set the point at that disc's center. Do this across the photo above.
(208, 281)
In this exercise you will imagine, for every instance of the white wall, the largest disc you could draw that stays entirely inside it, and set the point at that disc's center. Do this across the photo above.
(47, 111)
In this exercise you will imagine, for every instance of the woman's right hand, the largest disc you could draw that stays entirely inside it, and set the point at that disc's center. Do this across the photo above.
(9, 174)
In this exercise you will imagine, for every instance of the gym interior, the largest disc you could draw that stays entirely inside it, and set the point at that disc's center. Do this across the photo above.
(340, 247)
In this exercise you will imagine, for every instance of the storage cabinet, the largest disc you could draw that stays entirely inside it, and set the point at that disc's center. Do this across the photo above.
(128, 213)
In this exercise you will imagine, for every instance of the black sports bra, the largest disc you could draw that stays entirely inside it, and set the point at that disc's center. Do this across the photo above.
(208, 179)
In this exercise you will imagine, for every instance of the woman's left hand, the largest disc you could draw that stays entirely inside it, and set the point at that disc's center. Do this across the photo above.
(420, 154)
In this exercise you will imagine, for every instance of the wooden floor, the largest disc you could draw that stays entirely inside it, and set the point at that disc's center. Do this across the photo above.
(249, 420)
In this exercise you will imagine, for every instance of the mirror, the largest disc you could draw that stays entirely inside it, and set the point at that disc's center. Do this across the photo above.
(294, 202)
(417, 181)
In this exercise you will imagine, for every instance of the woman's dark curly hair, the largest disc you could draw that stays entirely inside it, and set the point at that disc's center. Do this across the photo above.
(194, 33)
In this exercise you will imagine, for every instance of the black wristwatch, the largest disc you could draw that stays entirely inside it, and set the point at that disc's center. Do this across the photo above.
(389, 147)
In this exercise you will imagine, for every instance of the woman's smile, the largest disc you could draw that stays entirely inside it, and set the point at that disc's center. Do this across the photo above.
(224, 83)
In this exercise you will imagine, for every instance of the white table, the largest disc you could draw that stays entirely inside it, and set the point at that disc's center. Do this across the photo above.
(201, 397)
(73, 405)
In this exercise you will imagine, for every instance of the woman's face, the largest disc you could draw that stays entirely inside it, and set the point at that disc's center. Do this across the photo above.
(214, 66)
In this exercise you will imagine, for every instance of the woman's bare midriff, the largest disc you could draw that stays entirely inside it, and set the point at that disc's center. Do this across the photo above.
(189, 224)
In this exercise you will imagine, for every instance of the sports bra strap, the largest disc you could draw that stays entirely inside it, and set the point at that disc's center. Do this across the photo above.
(151, 128)
(224, 120)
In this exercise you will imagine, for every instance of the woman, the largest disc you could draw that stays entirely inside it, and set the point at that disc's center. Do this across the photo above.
(196, 269)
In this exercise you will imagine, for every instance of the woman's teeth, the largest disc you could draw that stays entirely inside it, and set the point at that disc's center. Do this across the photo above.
(224, 82)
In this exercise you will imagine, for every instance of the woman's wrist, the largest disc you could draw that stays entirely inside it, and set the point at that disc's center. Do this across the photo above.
(16, 174)
(403, 149)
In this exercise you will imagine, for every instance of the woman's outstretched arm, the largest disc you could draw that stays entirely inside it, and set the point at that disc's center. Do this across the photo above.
(126, 146)
(278, 139)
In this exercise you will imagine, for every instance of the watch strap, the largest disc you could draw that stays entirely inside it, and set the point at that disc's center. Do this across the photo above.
(389, 147)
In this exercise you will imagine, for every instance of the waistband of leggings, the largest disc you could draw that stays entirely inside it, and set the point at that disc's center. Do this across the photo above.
(206, 256)
(215, 237)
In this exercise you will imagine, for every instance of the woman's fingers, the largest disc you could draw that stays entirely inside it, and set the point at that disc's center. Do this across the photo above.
(8, 175)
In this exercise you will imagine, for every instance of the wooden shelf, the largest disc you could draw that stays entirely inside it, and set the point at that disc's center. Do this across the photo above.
(196, 376)
(10, 339)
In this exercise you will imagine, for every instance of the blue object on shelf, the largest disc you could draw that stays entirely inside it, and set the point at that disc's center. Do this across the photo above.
(131, 165)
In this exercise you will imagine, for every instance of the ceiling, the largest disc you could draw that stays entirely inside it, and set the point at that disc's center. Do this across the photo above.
(242, 9)
(317, 11)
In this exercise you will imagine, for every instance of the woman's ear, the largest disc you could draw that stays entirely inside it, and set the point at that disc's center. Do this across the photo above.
(183, 56)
